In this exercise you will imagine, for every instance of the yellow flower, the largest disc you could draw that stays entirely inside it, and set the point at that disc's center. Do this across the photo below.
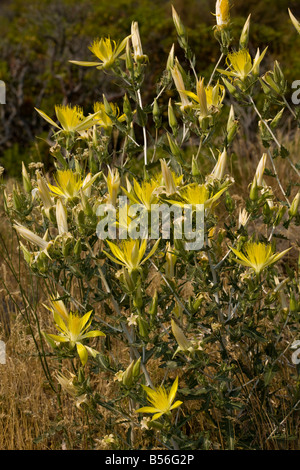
(197, 194)
(168, 179)
(130, 253)
(145, 193)
(209, 98)
(71, 119)
(240, 64)
(102, 119)
(106, 50)
(69, 183)
(73, 330)
(258, 256)
(58, 307)
(161, 400)
(222, 13)
(113, 184)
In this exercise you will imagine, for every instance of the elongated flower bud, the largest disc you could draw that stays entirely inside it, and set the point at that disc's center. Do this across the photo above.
(222, 14)
(44, 193)
(61, 218)
(295, 21)
(172, 118)
(244, 39)
(170, 262)
(31, 237)
(202, 97)
(295, 205)
(26, 179)
(178, 23)
(219, 169)
(260, 169)
(170, 61)
(179, 83)
(154, 305)
(168, 178)
(136, 41)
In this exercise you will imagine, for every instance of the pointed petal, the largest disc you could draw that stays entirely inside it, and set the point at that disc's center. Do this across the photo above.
(49, 120)
(82, 352)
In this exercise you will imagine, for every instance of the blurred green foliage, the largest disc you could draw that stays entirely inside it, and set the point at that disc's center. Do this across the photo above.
(40, 37)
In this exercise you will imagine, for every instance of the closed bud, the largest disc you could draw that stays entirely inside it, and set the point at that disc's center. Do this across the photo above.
(178, 23)
(232, 90)
(17, 199)
(154, 305)
(195, 167)
(77, 248)
(219, 169)
(293, 303)
(295, 21)
(61, 218)
(175, 150)
(172, 118)
(222, 14)
(156, 114)
(254, 190)
(143, 327)
(170, 61)
(274, 123)
(138, 298)
(294, 206)
(244, 39)
(260, 170)
(168, 178)
(128, 57)
(279, 215)
(136, 368)
(87, 208)
(136, 42)
(27, 254)
(26, 179)
(127, 376)
(127, 108)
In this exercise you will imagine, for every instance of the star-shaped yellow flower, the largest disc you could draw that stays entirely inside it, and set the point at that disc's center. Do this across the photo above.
(161, 400)
(258, 256)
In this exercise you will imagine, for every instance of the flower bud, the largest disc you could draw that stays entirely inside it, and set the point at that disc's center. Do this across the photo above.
(244, 39)
(222, 14)
(294, 206)
(26, 179)
(156, 114)
(168, 178)
(172, 118)
(61, 218)
(219, 169)
(154, 305)
(178, 24)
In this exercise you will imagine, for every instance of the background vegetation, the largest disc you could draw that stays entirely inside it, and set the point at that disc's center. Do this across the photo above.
(39, 37)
